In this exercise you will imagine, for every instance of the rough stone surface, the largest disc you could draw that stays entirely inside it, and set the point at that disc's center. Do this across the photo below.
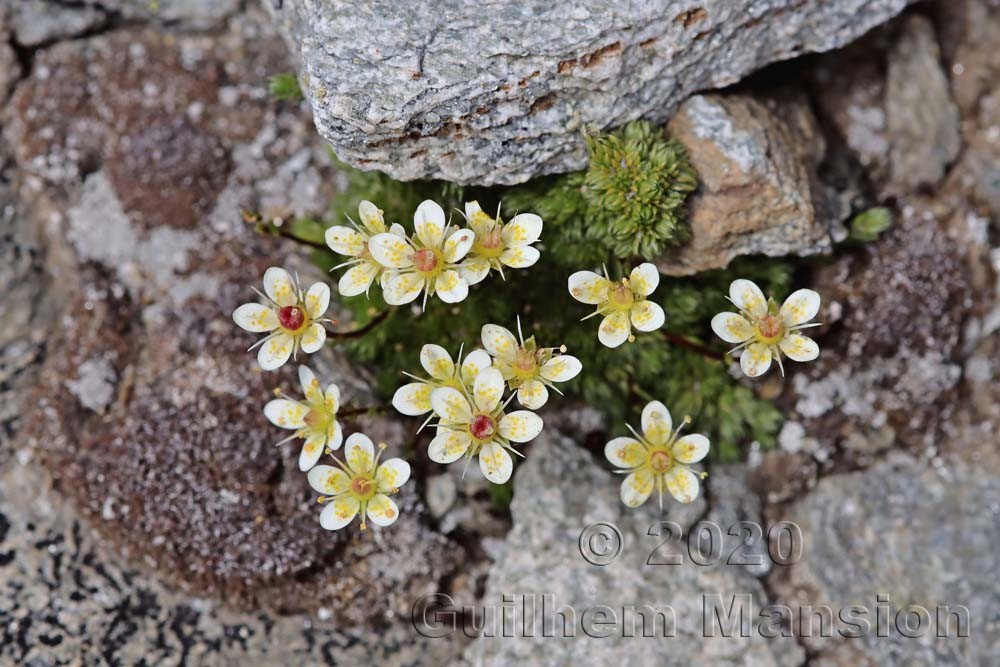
(37, 22)
(922, 536)
(147, 411)
(758, 190)
(197, 14)
(497, 93)
(542, 555)
(923, 121)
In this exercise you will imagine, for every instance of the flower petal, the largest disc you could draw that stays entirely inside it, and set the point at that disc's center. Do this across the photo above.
(458, 245)
(487, 390)
(625, 452)
(334, 435)
(450, 405)
(682, 484)
(614, 329)
(448, 446)
(313, 338)
(413, 399)
(275, 352)
(644, 279)
(755, 360)
(520, 426)
(495, 463)
(799, 348)
(311, 387)
(647, 316)
(474, 269)
(499, 341)
(317, 300)
(359, 452)
(358, 279)
(391, 475)
(524, 229)
(637, 487)
(437, 362)
(691, 448)
(451, 287)
(286, 414)
(429, 223)
(401, 288)
(732, 327)
(382, 510)
(473, 364)
(657, 425)
(345, 241)
(371, 217)
(279, 287)
(312, 449)
(588, 287)
(390, 250)
(747, 296)
(800, 307)
(328, 480)
(331, 397)
(339, 512)
(532, 394)
(519, 257)
(561, 368)
(255, 317)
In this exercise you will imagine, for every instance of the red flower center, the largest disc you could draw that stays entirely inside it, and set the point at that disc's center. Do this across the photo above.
(291, 318)
(482, 427)
(660, 461)
(425, 260)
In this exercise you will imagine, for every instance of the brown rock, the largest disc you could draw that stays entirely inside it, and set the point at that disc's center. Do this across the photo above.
(781, 476)
(756, 159)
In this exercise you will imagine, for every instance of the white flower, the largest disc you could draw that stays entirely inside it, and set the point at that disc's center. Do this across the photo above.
(657, 458)
(415, 398)
(427, 264)
(360, 485)
(498, 244)
(476, 425)
(623, 304)
(293, 318)
(763, 331)
(354, 243)
(314, 419)
(527, 368)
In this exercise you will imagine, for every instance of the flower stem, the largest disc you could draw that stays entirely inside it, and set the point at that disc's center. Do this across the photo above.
(357, 333)
(677, 339)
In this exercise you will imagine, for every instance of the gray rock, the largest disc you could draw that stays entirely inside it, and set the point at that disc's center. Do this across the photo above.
(756, 159)
(558, 492)
(37, 22)
(197, 14)
(920, 536)
(497, 92)
(922, 118)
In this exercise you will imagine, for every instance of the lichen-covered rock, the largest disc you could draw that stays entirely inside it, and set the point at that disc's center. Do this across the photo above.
(496, 93)
(148, 410)
(758, 190)
(920, 536)
(36, 22)
(542, 556)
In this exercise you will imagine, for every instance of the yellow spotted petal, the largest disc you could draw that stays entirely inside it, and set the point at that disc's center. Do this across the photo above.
(371, 217)
(358, 279)
(360, 452)
(657, 425)
(312, 450)
(588, 287)
(747, 296)
(313, 338)
(532, 394)
(637, 487)
(255, 317)
(390, 251)
(755, 360)
(614, 329)
(499, 341)
(437, 362)
(732, 327)
(339, 512)
(451, 287)
(311, 387)
(524, 229)
(647, 316)
(328, 480)
(474, 269)
(488, 389)
(495, 463)
(561, 368)
(800, 307)
(625, 452)
(345, 241)
(799, 348)
(449, 445)
(391, 475)
(382, 510)
(413, 399)
(401, 288)
(473, 364)
(691, 448)
(317, 300)
(429, 223)
(519, 257)
(520, 426)
(450, 405)
(644, 279)
(286, 414)
(682, 484)
(279, 287)
(275, 352)
(458, 245)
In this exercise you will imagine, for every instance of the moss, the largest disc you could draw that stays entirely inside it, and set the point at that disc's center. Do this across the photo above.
(284, 87)
(868, 225)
